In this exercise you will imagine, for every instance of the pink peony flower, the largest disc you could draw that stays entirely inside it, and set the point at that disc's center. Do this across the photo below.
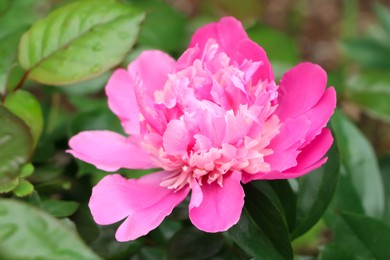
(209, 121)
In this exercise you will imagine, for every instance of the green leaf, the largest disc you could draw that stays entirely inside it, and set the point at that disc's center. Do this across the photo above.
(164, 27)
(266, 210)
(315, 193)
(191, 243)
(28, 233)
(383, 15)
(16, 145)
(7, 184)
(251, 238)
(79, 41)
(23, 189)
(373, 234)
(8, 53)
(27, 107)
(375, 102)
(334, 252)
(360, 163)
(281, 49)
(384, 164)
(369, 52)
(60, 208)
(371, 91)
(27, 170)
(287, 198)
(27, 11)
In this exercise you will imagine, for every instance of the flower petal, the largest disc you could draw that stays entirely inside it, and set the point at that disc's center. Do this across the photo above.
(151, 204)
(221, 207)
(152, 69)
(109, 151)
(122, 101)
(320, 114)
(149, 73)
(143, 201)
(110, 202)
(176, 138)
(227, 32)
(300, 89)
(313, 152)
(249, 50)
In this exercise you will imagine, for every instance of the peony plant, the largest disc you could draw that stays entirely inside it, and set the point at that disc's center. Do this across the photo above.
(211, 121)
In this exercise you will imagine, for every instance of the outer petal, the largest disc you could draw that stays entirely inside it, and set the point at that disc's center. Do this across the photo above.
(320, 114)
(151, 68)
(300, 89)
(233, 40)
(220, 207)
(108, 151)
(313, 152)
(227, 32)
(143, 200)
(148, 73)
(122, 100)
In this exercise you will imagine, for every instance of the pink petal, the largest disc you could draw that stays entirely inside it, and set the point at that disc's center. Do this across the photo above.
(300, 89)
(176, 138)
(109, 151)
(110, 201)
(221, 207)
(151, 68)
(143, 201)
(320, 114)
(122, 100)
(285, 145)
(227, 32)
(314, 152)
(250, 50)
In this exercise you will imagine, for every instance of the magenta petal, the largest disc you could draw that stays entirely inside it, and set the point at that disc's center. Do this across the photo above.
(108, 151)
(143, 201)
(313, 152)
(300, 89)
(249, 50)
(227, 32)
(221, 207)
(320, 114)
(122, 101)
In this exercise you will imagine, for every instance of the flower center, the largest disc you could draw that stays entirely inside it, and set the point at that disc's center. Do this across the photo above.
(226, 119)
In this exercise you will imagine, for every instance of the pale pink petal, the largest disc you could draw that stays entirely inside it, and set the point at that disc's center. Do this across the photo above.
(300, 89)
(320, 114)
(122, 100)
(227, 32)
(109, 151)
(176, 138)
(221, 207)
(143, 201)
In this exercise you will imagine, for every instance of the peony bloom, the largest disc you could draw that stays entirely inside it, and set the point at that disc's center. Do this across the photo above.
(210, 121)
